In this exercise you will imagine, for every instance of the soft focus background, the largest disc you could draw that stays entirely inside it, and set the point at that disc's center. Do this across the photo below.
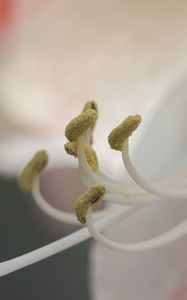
(54, 56)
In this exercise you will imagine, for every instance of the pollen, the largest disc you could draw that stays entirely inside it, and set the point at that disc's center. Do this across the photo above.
(80, 124)
(31, 170)
(118, 135)
(91, 157)
(90, 105)
(90, 197)
(71, 148)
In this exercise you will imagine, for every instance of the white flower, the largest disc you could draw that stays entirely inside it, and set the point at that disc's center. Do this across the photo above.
(132, 62)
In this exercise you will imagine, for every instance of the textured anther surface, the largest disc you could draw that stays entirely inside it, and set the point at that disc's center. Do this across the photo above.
(31, 170)
(92, 196)
(91, 158)
(90, 105)
(80, 124)
(71, 148)
(117, 137)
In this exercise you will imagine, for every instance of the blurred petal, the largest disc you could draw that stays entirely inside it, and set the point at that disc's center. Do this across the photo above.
(74, 51)
(153, 274)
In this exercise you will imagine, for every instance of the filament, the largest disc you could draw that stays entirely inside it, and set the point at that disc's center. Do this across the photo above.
(71, 240)
(148, 187)
(51, 211)
(164, 239)
(57, 214)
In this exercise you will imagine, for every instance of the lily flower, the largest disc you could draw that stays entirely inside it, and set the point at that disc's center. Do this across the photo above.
(118, 195)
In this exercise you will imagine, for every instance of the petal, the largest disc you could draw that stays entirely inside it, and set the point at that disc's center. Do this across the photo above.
(163, 144)
(149, 275)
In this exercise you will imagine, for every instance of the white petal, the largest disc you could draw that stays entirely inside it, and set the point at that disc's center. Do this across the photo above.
(149, 275)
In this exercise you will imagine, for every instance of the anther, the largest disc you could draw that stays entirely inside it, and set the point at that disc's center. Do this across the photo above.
(80, 124)
(90, 105)
(71, 148)
(90, 197)
(31, 170)
(91, 157)
(117, 137)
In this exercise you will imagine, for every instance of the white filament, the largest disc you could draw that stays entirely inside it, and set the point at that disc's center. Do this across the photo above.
(51, 211)
(113, 186)
(57, 214)
(75, 238)
(157, 242)
(128, 199)
(150, 188)
(93, 177)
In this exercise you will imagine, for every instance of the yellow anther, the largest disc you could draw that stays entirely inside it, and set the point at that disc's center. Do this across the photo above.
(92, 196)
(90, 104)
(91, 157)
(71, 148)
(31, 170)
(80, 124)
(117, 137)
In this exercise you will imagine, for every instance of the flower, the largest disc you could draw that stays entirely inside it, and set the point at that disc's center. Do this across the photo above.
(121, 54)
(100, 187)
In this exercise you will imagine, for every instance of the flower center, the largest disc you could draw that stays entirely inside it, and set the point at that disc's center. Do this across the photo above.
(117, 195)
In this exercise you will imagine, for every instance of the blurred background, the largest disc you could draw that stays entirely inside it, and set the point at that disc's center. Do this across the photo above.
(129, 56)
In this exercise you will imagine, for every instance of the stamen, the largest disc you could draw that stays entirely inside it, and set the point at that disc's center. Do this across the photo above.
(130, 200)
(91, 157)
(90, 105)
(84, 167)
(127, 190)
(164, 239)
(79, 134)
(75, 238)
(123, 131)
(130, 194)
(80, 124)
(28, 181)
(55, 213)
(92, 196)
(31, 170)
(167, 194)
(113, 186)
(59, 215)
(71, 148)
